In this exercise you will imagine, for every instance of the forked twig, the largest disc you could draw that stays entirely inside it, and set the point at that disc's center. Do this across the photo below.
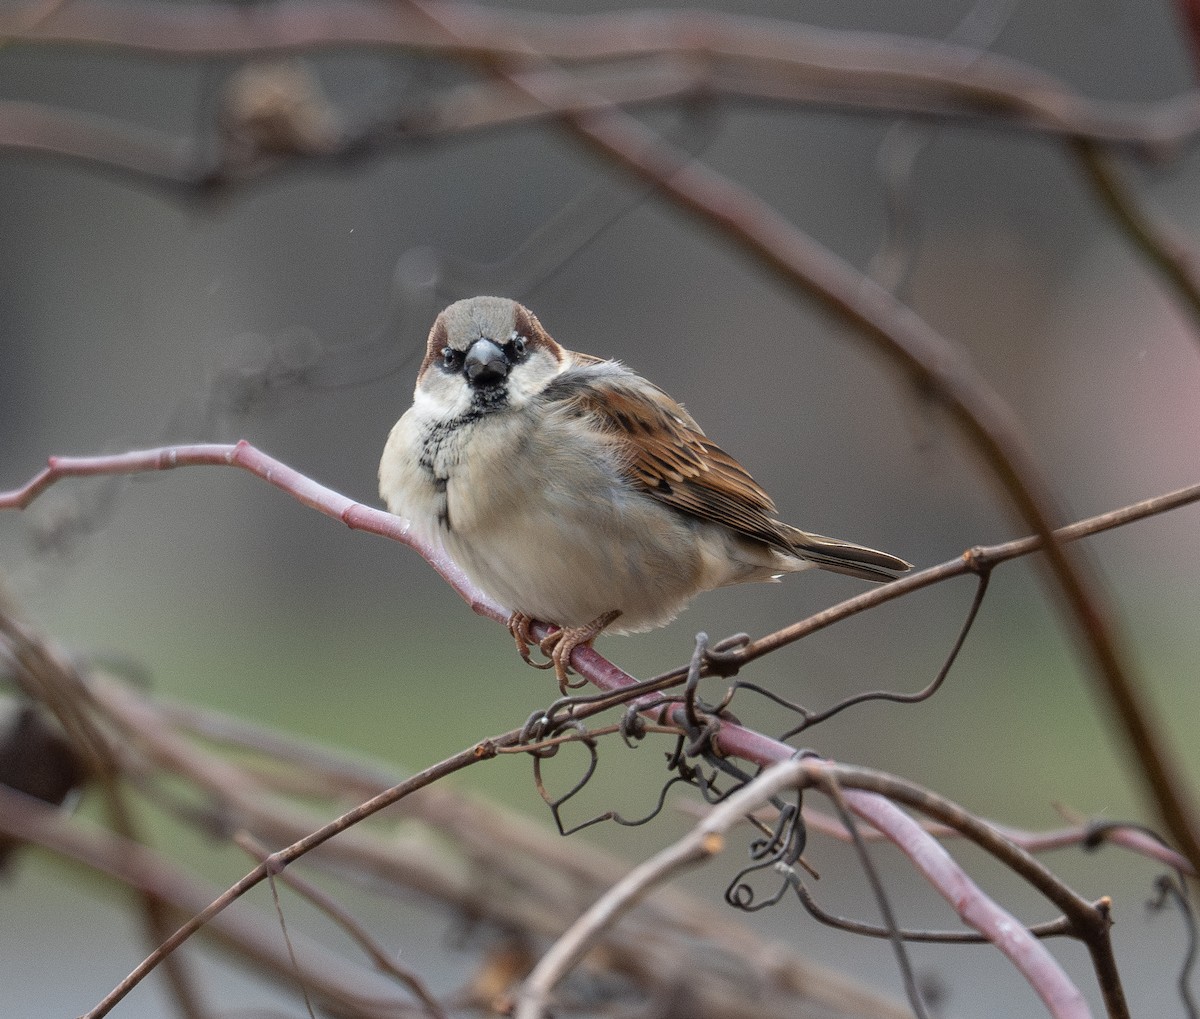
(355, 930)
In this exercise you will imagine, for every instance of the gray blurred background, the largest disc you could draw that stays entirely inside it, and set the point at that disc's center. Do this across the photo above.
(125, 315)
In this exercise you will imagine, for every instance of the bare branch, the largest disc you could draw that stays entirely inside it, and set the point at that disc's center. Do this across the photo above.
(1091, 921)
(472, 755)
(1131, 837)
(1025, 951)
(359, 934)
(303, 489)
(141, 868)
(979, 559)
(145, 725)
(1166, 249)
(761, 56)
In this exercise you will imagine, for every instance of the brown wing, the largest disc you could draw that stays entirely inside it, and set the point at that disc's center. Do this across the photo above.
(668, 456)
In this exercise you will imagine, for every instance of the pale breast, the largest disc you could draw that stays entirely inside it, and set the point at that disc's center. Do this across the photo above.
(544, 519)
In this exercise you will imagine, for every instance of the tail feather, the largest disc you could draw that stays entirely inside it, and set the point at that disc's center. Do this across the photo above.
(845, 557)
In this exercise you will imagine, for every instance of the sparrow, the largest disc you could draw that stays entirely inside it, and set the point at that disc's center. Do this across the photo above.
(574, 492)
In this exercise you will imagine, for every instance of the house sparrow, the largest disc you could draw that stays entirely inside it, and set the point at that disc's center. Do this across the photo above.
(573, 491)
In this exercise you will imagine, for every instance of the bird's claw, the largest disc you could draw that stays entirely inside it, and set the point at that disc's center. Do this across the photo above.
(558, 645)
(519, 626)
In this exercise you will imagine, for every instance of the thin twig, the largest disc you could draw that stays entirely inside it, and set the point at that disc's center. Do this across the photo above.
(811, 718)
(357, 932)
(1061, 927)
(481, 751)
(830, 787)
(1131, 837)
(975, 560)
(141, 868)
(1177, 894)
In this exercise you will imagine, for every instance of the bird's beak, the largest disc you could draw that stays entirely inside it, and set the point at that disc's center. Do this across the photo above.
(485, 364)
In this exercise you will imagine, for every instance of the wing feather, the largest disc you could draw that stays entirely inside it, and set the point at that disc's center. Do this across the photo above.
(669, 457)
(666, 453)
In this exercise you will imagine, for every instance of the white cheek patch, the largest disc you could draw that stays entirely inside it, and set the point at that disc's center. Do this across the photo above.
(441, 394)
(531, 376)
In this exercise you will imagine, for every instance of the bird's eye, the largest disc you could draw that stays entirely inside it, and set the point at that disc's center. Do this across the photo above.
(451, 359)
(516, 348)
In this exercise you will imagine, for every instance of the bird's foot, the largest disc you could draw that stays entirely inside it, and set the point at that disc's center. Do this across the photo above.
(519, 626)
(558, 645)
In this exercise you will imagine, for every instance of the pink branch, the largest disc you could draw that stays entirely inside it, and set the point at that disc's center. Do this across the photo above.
(977, 910)
(302, 488)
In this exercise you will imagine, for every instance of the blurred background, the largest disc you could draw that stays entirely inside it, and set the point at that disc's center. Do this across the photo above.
(130, 319)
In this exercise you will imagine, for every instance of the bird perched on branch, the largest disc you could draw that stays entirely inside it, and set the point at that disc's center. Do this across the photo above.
(575, 492)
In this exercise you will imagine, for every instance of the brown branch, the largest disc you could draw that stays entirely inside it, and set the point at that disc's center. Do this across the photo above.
(146, 727)
(1130, 837)
(1090, 921)
(44, 676)
(149, 729)
(472, 755)
(507, 851)
(355, 930)
(764, 57)
(518, 878)
(323, 771)
(1165, 248)
(704, 841)
(860, 778)
(974, 560)
(181, 168)
(144, 870)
